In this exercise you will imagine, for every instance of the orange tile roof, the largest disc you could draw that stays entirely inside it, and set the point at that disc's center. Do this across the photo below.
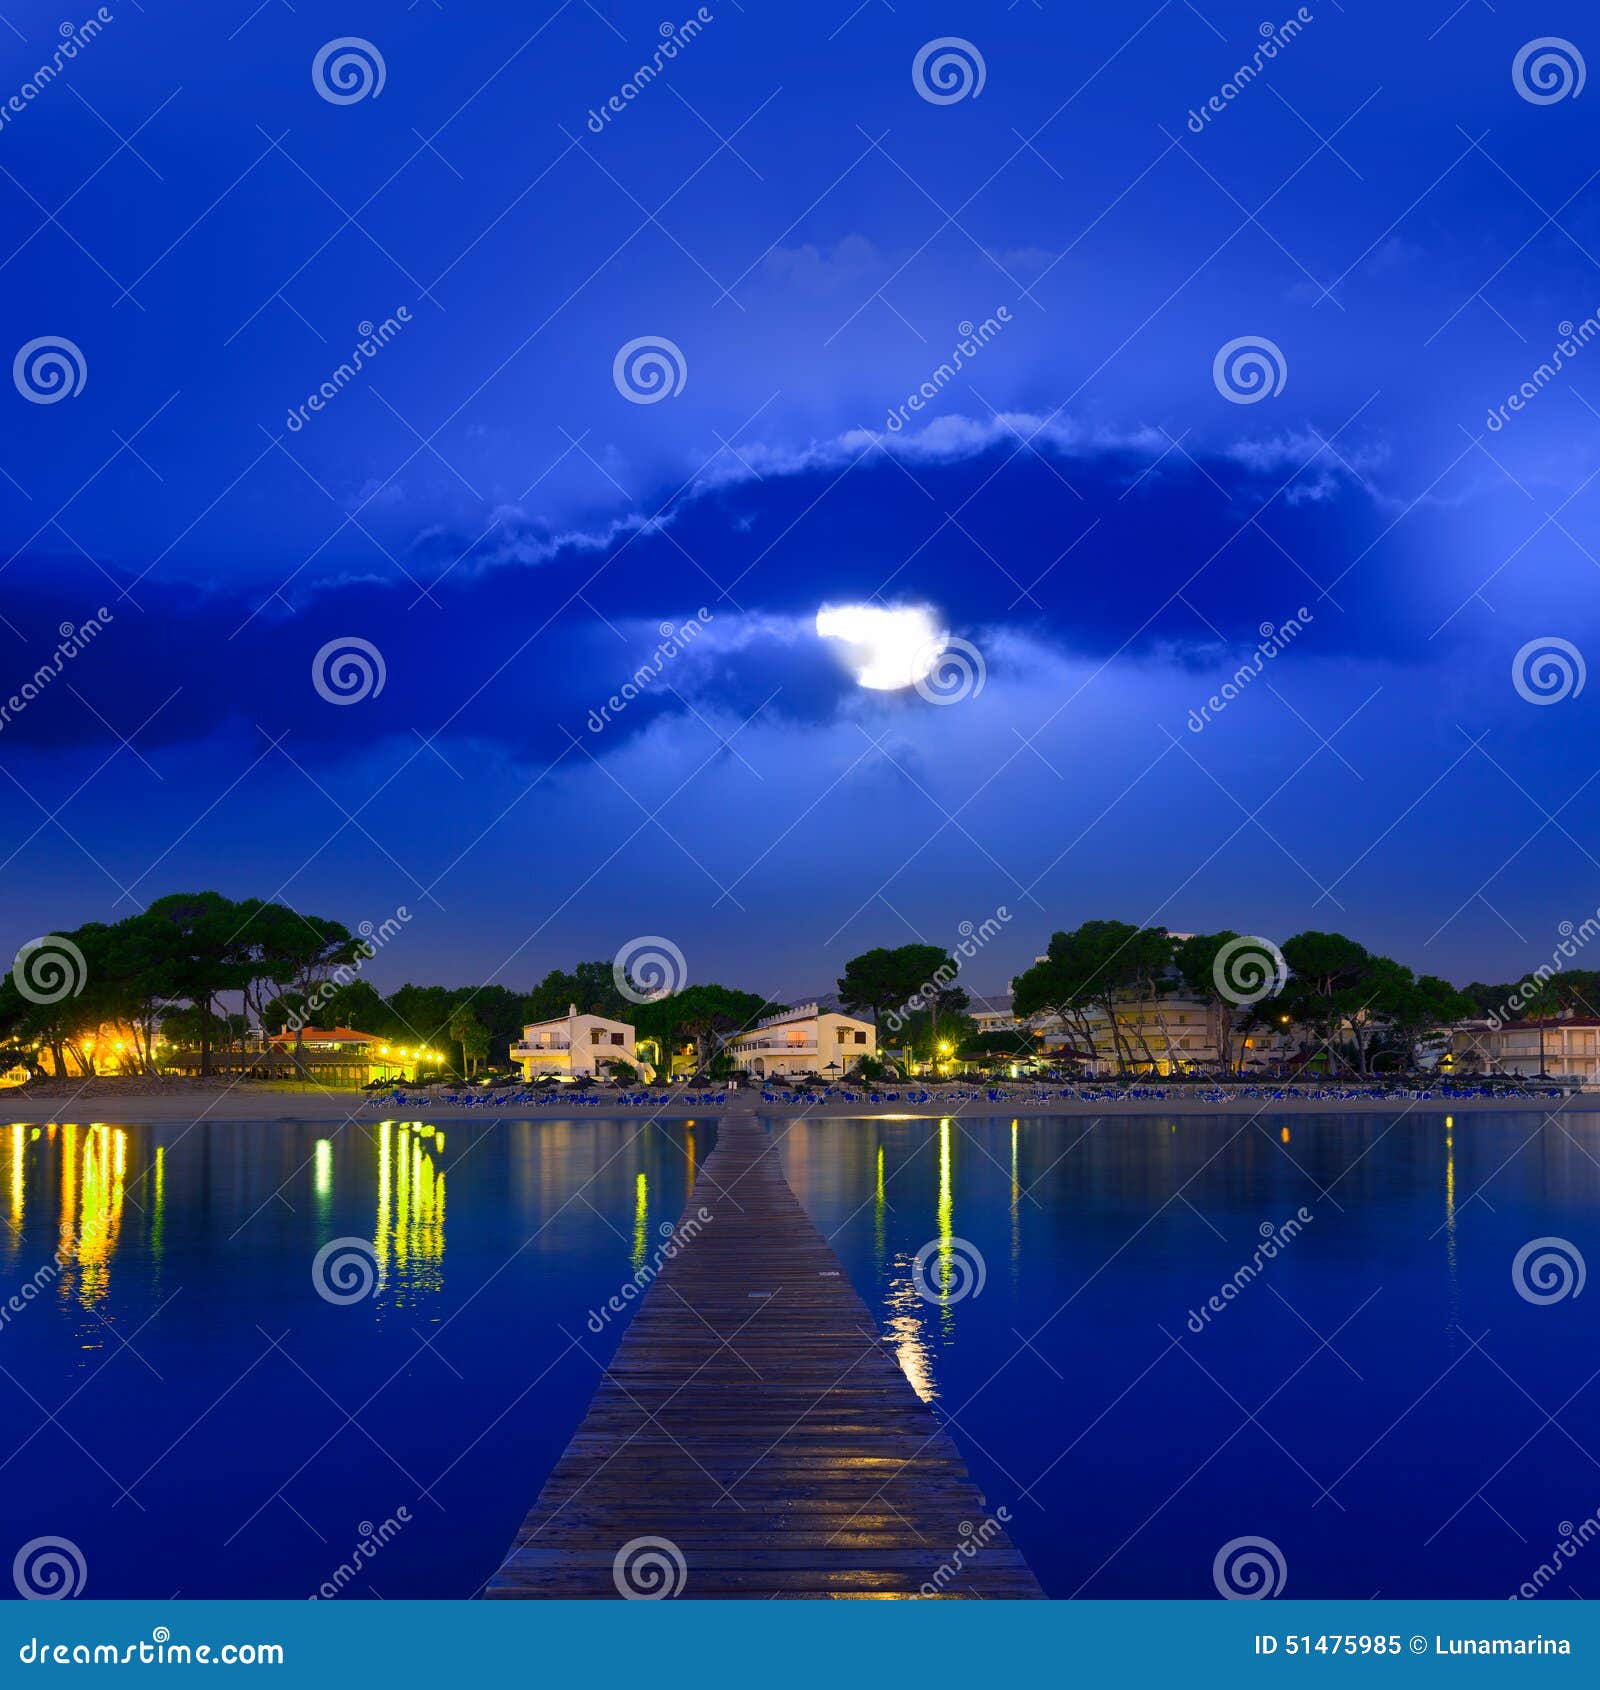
(341, 1035)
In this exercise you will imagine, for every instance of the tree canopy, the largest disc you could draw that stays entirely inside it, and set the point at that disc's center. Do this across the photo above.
(1090, 977)
(903, 978)
(199, 969)
(705, 1014)
(173, 970)
(1105, 982)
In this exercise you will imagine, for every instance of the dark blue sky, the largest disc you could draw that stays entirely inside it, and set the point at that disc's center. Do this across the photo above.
(1381, 205)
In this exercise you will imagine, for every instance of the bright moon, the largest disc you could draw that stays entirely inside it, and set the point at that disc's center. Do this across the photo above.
(885, 649)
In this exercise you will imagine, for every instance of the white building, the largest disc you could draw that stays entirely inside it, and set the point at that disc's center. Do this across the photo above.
(573, 1046)
(1571, 1048)
(804, 1040)
(1174, 1033)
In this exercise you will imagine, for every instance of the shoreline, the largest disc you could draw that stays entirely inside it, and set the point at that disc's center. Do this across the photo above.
(279, 1105)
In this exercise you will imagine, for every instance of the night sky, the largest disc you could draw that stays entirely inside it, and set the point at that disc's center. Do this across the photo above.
(1383, 209)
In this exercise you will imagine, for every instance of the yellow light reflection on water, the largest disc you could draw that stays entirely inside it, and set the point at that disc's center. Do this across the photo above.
(380, 1236)
(410, 1223)
(946, 1198)
(947, 1211)
(68, 1225)
(19, 1181)
(1450, 1212)
(641, 1220)
(158, 1203)
(322, 1170)
(401, 1240)
(105, 1153)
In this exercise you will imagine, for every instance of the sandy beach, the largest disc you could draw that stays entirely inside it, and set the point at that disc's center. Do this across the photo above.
(128, 1103)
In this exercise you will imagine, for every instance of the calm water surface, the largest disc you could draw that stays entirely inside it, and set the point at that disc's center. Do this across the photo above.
(221, 1430)
(1377, 1401)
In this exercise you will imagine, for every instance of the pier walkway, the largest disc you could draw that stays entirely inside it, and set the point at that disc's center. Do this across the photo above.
(753, 1436)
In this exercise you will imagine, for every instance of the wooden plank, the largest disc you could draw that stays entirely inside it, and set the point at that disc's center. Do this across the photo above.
(754, 1421)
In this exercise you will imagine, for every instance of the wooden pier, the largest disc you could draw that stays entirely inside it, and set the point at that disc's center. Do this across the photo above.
(755, 1429)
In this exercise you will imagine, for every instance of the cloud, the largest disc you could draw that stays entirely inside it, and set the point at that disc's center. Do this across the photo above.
(1025, 258)
(1316, 469)
(823, 271)
(1081, 538)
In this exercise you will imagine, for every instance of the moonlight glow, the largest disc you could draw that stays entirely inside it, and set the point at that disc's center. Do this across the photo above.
(885, 649)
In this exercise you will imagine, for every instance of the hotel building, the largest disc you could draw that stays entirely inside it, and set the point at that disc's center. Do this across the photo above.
(1171, 1034)
(804, 1040)
(574, 1047)
(1571, 1048)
